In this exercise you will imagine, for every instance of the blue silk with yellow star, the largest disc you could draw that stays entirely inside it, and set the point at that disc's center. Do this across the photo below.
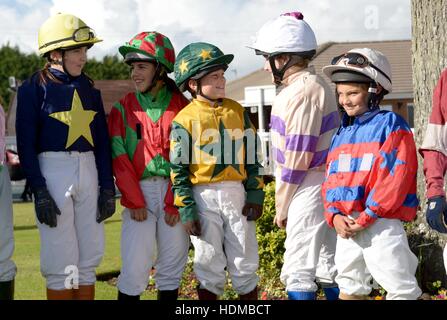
(63, 115)
(212, 144)
(372, 168)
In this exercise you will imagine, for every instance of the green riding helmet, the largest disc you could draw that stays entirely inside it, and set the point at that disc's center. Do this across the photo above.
(149, 46)
(198, 59)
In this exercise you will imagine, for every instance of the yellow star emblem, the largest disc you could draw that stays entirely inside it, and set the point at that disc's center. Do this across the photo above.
(78, 121)
(183, 66)
(178, 201)
(205, 54)
(173, 175)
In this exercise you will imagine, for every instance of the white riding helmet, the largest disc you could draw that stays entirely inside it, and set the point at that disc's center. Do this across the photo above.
(288, 33)
(368, 62)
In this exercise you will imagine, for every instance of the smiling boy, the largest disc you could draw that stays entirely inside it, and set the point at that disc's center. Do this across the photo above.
(215, 175)
(370, 185)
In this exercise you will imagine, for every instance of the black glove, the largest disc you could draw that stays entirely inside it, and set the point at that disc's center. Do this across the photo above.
(106, 205)
(437, 214)
(46, 208)
(252, 211)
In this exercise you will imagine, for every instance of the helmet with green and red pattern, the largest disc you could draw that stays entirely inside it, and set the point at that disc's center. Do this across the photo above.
(149, 46)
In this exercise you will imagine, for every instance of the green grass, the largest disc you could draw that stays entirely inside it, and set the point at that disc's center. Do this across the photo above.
(30, 285)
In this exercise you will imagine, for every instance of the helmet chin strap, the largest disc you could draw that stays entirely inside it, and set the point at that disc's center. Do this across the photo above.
(278, 74)
(199, 92)
(374, 98)
(63, 65)
(157, 76)
(372, 91)
(59, 62)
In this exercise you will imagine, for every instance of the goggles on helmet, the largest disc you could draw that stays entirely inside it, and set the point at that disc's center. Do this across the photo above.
(79, 35)
(137, 56)
(356, 60)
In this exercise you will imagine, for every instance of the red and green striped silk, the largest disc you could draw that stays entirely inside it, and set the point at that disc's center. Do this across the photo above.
(139, 130)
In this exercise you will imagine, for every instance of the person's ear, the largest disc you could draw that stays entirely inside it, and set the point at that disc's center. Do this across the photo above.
(283, 59)
(192, 84)
(55, 55)
(379, 89)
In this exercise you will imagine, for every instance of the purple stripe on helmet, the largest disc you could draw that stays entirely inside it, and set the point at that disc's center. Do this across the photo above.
(298, 142)
(298, 15)
(330, 121)
(293, 176)
(277, 125)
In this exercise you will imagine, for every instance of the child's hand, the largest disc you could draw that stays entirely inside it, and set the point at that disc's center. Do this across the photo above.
(343, 225)
(138, 214)
(280, 223)
(356, 227)
(193, 228)
(172, 219)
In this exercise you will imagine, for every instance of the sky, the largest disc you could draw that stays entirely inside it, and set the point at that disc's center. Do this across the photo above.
(229, 24)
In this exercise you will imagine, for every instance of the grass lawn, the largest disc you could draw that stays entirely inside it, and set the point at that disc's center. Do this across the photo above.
(30, 285)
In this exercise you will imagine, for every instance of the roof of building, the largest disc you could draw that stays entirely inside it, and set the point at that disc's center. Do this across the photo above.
(398, 53)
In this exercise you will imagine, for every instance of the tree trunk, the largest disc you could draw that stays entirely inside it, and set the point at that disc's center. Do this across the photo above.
(429, 54)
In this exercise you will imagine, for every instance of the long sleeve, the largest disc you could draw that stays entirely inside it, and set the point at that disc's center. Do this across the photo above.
(435, 166)
(180, 159)
(126, 177)
(169, 206)
(330, 210)
(27, 130)
(102, 149)
(301, 136)
(303, 120)
(254, 183)
(392, 184)
(434, 146)
(371, 169)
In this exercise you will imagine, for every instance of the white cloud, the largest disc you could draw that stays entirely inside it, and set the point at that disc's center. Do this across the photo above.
(230, 24)
(113, 21)
(21, 28)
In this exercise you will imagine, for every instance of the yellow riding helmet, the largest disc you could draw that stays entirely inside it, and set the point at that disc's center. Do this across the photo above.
(63, 31)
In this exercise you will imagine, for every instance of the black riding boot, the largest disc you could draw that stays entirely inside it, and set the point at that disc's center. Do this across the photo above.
(125, 297)
(7, 290)
(167, 295)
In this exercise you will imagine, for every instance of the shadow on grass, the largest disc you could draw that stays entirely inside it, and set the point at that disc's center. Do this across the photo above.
(106, 276)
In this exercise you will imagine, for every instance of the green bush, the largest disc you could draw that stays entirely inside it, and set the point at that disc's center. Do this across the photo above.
(271, 248)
